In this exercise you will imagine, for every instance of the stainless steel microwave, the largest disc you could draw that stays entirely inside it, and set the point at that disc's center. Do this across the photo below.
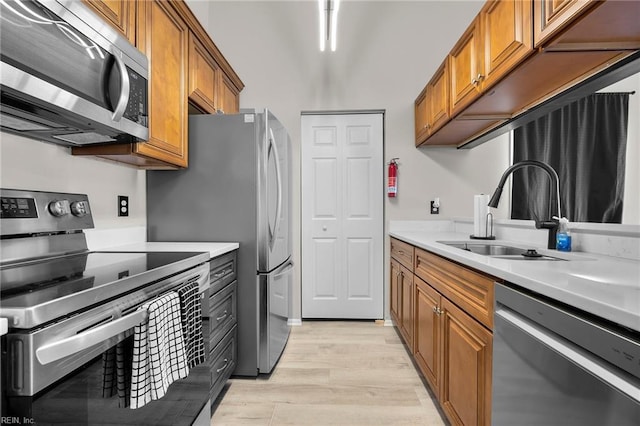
(69, 78)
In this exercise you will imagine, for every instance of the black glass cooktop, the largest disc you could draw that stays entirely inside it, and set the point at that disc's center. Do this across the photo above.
(27, 286)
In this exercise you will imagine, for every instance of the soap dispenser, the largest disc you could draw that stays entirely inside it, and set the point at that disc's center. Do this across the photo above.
(563, 237)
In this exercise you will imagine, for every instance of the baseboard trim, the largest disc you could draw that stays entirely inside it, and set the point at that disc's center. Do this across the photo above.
(294, 322)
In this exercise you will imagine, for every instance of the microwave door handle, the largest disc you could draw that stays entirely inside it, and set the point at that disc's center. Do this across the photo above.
(55, 351)
(123, 99)
(272, 141)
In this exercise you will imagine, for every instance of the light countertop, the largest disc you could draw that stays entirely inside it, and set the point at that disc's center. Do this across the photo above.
(605, 286)
(214, 249)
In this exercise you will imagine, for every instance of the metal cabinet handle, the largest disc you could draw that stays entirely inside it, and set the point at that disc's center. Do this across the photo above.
(226, 364)
(221, 274)
(400, 252)
(477, 80)
(437, 310)
(224, 315)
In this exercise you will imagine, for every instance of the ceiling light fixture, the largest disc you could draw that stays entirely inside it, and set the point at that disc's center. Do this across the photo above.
(328, 23)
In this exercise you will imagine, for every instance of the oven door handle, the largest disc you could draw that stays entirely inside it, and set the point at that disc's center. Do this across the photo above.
(55, 351)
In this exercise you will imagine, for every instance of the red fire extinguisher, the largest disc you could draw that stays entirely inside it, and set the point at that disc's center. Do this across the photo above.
(392, 186)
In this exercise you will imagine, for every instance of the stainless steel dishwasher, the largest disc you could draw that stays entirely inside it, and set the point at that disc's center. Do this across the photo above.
(555, 365)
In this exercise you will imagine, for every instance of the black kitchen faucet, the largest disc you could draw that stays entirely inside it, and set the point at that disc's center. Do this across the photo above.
(551, 224)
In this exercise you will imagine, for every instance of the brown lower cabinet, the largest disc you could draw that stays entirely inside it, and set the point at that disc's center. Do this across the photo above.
(406, 300)
(466, 357)
(402, 294)
(451, 346)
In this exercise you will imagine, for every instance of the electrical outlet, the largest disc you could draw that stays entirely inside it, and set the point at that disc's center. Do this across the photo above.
(435, 207)
(123, 205)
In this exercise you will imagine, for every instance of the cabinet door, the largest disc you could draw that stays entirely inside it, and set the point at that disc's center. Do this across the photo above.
(406, 321)
(120, 14)
(163, 37)
(553, 15)
(395, 292)
(467, 349)
(465, 61)
(427, 332)
(438, 97)
(203, 76)
(229, 96)
(420, 117)
(507, 39)
(471, 290)
(432, 105)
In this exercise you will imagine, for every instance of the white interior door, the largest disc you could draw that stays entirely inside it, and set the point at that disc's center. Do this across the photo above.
(342, 216)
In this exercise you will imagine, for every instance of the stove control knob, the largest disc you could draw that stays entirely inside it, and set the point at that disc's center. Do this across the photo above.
(79, 208)
(59, 208)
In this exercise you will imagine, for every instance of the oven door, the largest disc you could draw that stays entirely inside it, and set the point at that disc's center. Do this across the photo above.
(73, 373)
(540, 378)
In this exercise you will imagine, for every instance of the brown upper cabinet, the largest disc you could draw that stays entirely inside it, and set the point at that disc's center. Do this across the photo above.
(517, 54)
(214, 87)
(204, 73)
(553, 15)
(506, 38)
(420, 116)
(466, 64)
(229, 95)
(432, 105)
(497, 40)
(120, 14)
(164, 38)
(185, 67)
(581, 25)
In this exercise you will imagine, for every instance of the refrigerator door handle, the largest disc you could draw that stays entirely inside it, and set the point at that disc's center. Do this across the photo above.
(273, 232)
(286, 269)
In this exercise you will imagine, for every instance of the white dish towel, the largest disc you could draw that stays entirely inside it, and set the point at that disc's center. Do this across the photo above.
(159, 356)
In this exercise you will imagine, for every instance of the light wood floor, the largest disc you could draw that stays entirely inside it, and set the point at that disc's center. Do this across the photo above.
(334, 373)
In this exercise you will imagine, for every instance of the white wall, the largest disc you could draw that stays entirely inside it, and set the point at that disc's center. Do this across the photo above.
(387, 51)
(35, 165)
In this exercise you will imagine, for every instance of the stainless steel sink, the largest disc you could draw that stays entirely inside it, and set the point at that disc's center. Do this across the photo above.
(499, 250)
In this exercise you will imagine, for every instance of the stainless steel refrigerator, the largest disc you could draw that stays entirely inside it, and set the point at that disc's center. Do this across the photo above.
(237, 188)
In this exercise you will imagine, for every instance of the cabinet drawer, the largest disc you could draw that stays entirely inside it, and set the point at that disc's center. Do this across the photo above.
(223, 270)
(223, 312)
(223, 362)
(402, 252)
(470, 290)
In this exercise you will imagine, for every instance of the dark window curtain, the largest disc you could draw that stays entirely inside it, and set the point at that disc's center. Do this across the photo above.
(585, 142)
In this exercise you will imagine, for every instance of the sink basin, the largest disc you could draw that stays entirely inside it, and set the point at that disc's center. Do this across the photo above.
(499, 250)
